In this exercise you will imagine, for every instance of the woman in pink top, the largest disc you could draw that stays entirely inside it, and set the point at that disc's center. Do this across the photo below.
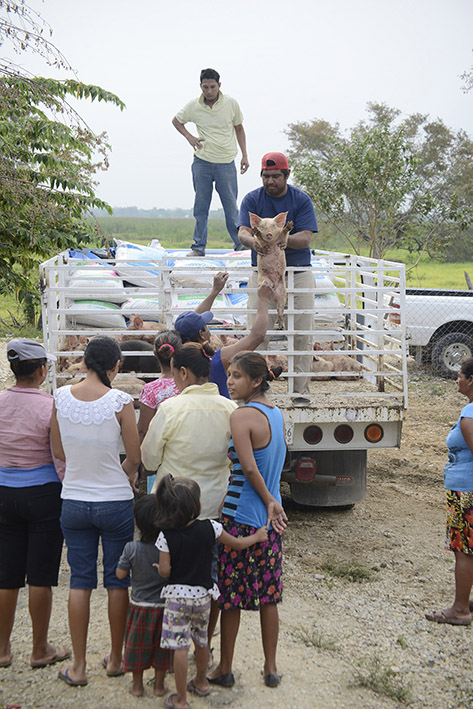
(162, 388)
(30, 503)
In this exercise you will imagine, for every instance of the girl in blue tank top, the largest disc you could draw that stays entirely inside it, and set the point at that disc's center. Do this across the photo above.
(252, 579)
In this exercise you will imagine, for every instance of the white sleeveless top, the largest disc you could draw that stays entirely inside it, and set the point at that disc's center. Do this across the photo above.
(90, 435)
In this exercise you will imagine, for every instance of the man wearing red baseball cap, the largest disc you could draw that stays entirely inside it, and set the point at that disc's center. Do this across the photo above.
(274, 197)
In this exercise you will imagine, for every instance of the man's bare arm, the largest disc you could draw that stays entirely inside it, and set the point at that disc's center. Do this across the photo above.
(299, 240)
(180, 127)
(246, 237)
(258, 331)
(241, 138)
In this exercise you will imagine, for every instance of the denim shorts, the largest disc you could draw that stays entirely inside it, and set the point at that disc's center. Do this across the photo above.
(83, 524)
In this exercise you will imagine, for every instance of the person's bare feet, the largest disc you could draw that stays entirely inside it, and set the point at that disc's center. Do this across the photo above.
(136, 691)
(159, 691)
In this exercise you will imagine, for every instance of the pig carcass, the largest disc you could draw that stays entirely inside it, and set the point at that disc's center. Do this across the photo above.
(340, 363)
(136, 324)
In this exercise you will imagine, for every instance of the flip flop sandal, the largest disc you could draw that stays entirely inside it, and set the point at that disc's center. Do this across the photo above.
(442, 617)
(60, 655)
(117, 673)
(169, 702)
(68, 680)
(195, 690)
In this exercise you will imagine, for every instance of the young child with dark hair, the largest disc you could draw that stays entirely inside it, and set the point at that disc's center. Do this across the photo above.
(145, 613)
(185, 558)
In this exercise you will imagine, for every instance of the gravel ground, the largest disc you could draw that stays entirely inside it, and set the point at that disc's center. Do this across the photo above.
(334, 631)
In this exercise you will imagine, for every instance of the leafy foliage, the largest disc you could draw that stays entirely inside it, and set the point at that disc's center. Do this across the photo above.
(390, 183)
(48, 156)
(467, 78)
(22, 28)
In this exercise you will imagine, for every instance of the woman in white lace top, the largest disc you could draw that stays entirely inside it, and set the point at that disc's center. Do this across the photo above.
(87, 421)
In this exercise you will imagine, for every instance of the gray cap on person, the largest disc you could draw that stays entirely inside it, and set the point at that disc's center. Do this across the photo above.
(27, 349)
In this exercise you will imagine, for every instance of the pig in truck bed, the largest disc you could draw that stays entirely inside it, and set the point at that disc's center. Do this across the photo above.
(358, 392)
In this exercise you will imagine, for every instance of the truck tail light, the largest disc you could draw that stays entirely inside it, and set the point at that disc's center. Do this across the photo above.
(343, 433)
(312, 434)
(374, 433)
(305, 470)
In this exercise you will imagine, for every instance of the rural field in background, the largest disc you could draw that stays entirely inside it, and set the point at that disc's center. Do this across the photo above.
(177, 233)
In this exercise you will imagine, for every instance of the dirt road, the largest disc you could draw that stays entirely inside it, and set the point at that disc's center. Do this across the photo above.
(335, 632)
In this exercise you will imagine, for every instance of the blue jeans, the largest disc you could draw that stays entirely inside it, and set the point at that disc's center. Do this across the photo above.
(204, 174)
(83, 524)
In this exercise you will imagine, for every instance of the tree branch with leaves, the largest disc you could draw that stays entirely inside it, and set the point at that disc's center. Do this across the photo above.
(49, 157)
(387, 183)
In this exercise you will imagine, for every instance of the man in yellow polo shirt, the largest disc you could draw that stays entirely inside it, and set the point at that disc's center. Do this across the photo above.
(219, 123)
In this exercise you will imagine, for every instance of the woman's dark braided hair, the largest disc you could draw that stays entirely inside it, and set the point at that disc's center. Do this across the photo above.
(101, 355)
(254, 365)
(166, 344)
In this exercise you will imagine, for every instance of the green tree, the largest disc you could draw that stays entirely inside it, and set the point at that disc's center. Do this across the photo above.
(389, 182)
(48, 157)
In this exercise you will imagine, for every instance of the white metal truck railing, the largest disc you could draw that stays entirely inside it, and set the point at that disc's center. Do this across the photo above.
(353, 309)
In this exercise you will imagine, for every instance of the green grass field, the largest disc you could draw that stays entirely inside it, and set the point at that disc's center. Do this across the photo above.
(177, 233)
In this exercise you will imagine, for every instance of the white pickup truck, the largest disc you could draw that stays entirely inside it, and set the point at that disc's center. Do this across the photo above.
(355, 304)
(439, 327)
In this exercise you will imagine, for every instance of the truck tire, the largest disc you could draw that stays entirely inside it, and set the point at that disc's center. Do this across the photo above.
(449, 351)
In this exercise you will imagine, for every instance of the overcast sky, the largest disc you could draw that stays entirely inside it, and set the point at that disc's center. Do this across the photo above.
(284, 61)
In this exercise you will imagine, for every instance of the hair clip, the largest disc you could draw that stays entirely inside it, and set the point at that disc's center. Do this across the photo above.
(205, 353)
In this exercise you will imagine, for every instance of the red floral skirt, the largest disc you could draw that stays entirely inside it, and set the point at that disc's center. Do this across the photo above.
(250, 577)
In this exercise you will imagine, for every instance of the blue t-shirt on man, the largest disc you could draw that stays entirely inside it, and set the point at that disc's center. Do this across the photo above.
(218, 374)
(300, 211)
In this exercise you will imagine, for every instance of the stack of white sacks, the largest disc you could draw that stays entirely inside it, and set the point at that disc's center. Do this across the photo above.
(98, 288)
